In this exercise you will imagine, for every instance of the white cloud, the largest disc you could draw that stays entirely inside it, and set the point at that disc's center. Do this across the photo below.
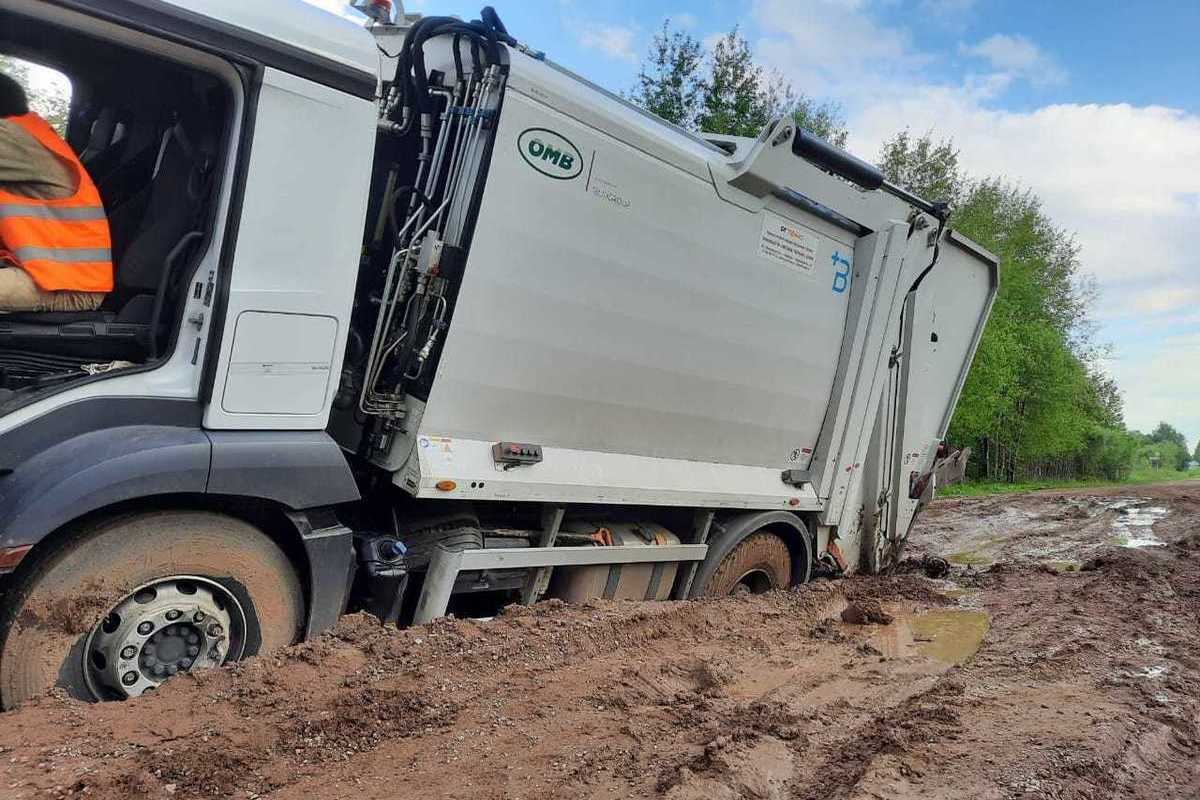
(1018, 56)
(1125, 179)
(833, 47)
(685, 20)
(615, 41)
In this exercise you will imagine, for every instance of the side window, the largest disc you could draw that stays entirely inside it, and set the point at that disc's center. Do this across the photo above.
(49, 90)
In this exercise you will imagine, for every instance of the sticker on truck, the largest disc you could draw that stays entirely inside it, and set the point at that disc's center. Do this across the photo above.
(786, 243)
(550, 153)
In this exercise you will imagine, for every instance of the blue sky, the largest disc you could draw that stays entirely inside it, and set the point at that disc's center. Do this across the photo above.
(1096, 108)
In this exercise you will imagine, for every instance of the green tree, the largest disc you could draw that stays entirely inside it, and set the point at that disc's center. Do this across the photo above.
(1034, 401)
(1172, 444)
(739, 98)
(928, 168)
(669, 82)
(822, 119)
(724, 91)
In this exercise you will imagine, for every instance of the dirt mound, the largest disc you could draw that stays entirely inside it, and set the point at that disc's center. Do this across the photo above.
(866, 612)
(1087, 685)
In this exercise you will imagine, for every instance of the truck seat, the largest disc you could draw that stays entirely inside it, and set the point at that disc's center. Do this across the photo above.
(152, 234)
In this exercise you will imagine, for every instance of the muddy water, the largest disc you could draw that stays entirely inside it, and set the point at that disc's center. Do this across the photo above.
(1134, 525)
(1123, 521)
(949, 635)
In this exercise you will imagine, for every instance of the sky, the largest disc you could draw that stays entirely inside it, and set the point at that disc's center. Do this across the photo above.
(1096, 108)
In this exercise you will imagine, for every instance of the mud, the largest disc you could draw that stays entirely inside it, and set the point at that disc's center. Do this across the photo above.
(1009, 677)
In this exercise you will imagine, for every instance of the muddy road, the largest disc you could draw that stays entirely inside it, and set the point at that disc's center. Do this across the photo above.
(1058, 658)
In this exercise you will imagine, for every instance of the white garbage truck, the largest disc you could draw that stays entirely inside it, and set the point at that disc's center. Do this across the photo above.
(410, 319)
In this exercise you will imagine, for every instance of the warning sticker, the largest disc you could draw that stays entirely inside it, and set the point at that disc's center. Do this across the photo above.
(785, 242)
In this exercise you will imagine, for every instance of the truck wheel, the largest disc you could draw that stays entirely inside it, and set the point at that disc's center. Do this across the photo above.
(759, 563)
(117, 610)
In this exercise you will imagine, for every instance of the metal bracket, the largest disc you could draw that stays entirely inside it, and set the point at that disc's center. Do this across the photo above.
(796, 477)
(701, 526)
(539, 580)
(445, 565)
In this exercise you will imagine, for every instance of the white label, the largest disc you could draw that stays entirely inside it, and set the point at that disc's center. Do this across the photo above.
(785, 242)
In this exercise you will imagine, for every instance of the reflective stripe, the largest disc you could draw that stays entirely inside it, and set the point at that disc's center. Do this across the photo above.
(65, 254)
(51, 212)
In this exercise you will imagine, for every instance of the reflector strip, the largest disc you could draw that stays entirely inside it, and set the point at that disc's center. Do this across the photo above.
(51, 212)
(64, 254)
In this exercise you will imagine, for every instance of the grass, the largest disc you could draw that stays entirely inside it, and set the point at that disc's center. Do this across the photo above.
(1137, 477)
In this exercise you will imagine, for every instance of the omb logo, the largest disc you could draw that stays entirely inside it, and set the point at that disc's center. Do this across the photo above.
(550, 154)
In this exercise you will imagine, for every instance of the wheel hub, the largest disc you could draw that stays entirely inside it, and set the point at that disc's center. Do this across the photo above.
(166, 627)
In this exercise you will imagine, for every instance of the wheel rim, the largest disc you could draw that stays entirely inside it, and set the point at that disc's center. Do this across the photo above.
(171, 625)
(755, 581)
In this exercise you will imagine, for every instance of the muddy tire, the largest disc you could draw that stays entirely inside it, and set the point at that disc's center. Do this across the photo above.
(759, 563)
(53, 608)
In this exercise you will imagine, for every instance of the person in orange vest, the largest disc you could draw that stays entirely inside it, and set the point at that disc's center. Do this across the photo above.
(55, 250)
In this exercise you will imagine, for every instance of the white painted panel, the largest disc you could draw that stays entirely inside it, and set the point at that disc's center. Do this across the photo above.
(947, 318)
(280, 363)
(583, 476)
(301, 228)
(624, 308)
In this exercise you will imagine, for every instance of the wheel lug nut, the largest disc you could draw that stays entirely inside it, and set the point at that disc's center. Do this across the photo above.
(185, 663)
(129, 652)
(215, 630)
(193, 638)
(198, 617)
(193, 651)
(129, 678)
(144, 628)
(174, 614)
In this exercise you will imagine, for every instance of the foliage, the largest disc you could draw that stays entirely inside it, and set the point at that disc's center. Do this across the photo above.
(928, 168)
(724, 91)
(739, 97)
(1139, 475)
(50, 103)
(1035, 403)
(669, 82)
(822, 119)
(1165, 445)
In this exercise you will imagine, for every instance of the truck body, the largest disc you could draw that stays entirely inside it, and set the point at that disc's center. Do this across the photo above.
(437, 320)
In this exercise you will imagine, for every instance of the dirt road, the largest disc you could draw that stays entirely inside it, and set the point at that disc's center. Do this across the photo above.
(1052, 662)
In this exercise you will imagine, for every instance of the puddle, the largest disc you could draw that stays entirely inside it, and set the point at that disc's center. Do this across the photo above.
(983, 552)
(970, 558)
(1150, 673)
(1134, 525)
(948, 635)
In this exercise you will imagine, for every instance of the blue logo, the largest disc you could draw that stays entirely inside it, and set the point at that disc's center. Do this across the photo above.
(841, 272)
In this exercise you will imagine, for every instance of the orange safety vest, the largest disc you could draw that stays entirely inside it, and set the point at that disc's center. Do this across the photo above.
(63, 244)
